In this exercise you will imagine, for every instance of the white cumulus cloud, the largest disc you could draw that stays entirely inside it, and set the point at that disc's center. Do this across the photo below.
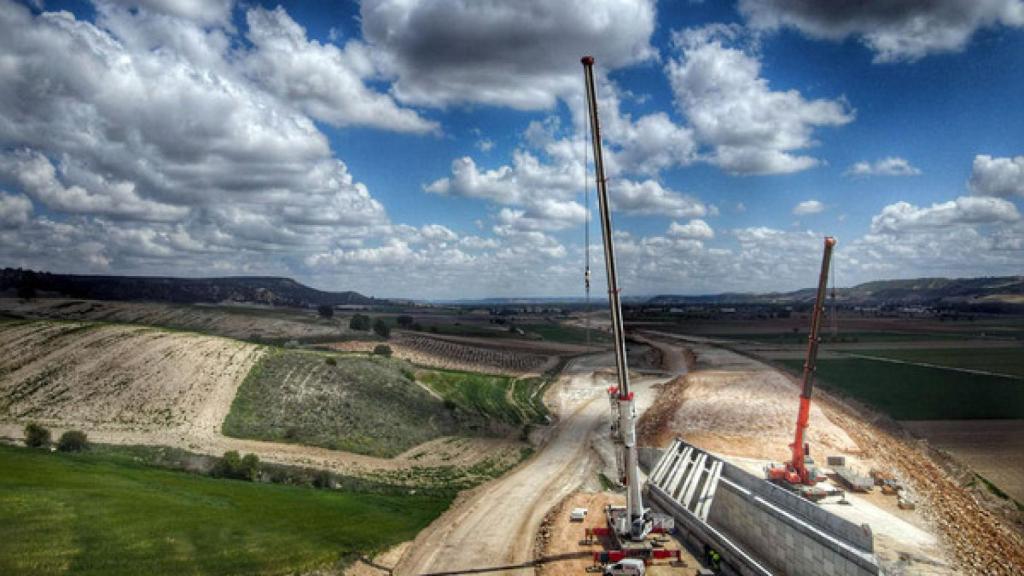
(808, 207)
(750, 128)
(997, 176)
(889, 166)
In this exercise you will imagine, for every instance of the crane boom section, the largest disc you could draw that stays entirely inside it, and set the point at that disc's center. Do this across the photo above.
(810, 363)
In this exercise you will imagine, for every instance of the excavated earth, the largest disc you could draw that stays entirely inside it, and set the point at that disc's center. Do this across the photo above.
(743, 409)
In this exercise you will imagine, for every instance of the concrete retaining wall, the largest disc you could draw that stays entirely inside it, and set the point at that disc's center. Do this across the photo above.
(759, 528)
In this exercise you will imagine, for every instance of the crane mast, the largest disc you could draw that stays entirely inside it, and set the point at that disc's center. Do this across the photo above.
(625, 428)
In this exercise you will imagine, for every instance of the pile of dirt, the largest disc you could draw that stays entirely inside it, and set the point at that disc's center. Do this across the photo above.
(744, 412)
(980, 541)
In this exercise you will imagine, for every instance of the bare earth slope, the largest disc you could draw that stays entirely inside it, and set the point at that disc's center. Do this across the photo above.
(118, 377)
(137, 385)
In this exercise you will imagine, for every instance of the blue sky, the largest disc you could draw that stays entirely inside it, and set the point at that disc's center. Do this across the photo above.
(433, 148)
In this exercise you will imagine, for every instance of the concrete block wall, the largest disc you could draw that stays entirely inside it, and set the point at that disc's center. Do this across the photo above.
(785, 545)
(859, 536)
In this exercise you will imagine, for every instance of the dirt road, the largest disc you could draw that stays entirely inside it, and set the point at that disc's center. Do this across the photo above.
(492, 529)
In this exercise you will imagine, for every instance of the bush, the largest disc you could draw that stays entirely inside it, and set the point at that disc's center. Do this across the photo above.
(331, 361)
(382, 329)
(325, 311)
(232, 465)
(36, 436)
(405, 321)
(73, 441)
(382, 350)
(359, 322)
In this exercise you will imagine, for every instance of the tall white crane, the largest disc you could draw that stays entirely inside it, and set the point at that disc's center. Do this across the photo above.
(637, 524)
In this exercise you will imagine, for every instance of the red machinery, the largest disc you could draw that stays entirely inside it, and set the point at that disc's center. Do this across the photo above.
(800, 470)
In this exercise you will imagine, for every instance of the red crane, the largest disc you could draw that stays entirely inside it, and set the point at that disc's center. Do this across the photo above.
(800, 468)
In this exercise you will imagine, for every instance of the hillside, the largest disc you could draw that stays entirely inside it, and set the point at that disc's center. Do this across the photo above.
(247, 289)
(918, 291)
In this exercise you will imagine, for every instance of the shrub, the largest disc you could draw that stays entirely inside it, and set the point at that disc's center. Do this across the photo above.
(249, 468)
(382, 329)
(359, 322)
(405, 321)
(325, 311)
(73, 441)
(36, 436)
(331, 361)
(382, 350)
(232, 465)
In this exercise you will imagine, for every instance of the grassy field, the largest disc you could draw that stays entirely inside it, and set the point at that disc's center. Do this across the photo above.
(998, 360)
(566, 334)
(867, 336)
(908, 392)
(367, 405)
(502, 398)
(95, 514)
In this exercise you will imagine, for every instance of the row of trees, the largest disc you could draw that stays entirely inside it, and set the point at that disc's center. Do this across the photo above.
(37, 436)
(365, 323)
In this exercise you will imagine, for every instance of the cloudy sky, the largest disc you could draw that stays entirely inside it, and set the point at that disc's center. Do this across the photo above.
(435, 148)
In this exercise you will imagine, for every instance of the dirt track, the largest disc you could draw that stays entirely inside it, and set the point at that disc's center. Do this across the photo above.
(494, 526)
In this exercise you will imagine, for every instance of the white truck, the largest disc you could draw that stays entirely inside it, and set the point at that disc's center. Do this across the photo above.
(626, 567)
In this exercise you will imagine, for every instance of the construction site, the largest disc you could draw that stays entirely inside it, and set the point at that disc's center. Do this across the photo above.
(788, 436)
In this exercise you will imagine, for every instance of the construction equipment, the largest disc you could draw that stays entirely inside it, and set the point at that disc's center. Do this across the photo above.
(799, 472)
(634, 522)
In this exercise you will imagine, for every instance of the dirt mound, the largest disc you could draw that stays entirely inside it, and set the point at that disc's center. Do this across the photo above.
(117, 377)
(745, 410)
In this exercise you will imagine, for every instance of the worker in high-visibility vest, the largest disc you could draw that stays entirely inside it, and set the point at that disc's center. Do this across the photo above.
(715, 559)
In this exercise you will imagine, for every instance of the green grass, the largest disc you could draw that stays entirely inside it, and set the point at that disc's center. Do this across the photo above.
(505, 399)
(93, 514)
(367, 405)
(908, 392)
(801, 338)
(998, 360)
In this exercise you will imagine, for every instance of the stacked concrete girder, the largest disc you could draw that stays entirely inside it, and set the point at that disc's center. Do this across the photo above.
(758, 528)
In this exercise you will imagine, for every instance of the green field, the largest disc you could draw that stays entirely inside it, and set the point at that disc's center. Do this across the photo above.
(566, 334)
(367, 405)
(998, 360)
(97, 514)
(908, 392)
(503, 399)
(843, 337)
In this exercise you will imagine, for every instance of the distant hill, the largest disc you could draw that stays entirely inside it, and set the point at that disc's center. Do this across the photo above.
(243, 289)
(918, 291)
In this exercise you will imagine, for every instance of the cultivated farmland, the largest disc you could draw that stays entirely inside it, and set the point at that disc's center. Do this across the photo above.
(912, 392)
(243, 322)
(117, 377)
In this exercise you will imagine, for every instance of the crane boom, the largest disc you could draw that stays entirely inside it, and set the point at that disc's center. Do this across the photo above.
(810, 364)
(626, 428)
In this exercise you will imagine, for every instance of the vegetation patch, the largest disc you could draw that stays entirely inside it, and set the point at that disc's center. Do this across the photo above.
(94, 514)
(366, 405)
(509, 400)
(909, 392)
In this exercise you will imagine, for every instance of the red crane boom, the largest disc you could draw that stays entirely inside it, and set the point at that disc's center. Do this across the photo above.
(796, 471)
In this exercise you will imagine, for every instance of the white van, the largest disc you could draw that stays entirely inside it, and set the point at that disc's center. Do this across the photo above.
(578, 515)
(626, 567)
